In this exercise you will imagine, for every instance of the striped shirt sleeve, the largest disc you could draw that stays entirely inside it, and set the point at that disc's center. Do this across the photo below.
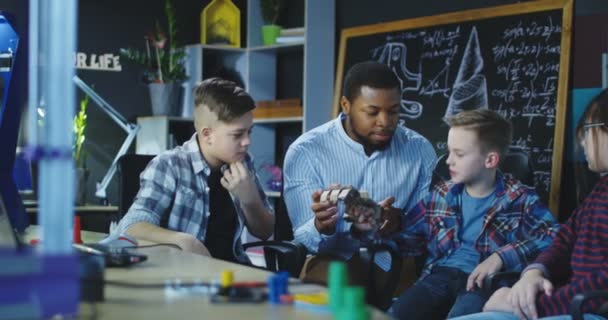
(427, 153)
(583, 243)
(300, 182)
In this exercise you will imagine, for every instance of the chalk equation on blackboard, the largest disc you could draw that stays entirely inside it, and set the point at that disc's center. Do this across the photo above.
(448, 69)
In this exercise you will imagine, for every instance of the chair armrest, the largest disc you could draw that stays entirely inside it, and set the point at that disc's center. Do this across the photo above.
(580, 299)
(284, 246)
(282, 255)
(498, 280)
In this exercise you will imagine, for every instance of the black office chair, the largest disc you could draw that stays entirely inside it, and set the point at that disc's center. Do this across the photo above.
(580, 299)
(130, 166)
(516, 163)
(282, 254)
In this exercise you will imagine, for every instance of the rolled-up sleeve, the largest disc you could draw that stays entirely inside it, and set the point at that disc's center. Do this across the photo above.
(156, 192)
(537, 229)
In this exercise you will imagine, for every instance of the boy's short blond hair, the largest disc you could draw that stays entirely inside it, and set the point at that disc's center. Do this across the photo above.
(494, 132)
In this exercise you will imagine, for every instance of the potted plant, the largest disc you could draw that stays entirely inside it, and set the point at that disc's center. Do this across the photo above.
(79, 125)
(163, 61)
(270, 15)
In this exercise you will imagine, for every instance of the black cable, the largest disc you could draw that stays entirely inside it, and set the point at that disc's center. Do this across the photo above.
(153, 245)
(170, 283)
(133, 285)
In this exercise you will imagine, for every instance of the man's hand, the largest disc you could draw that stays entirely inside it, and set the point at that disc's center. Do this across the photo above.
(499, 301)
(391, 217)
(492, 264)
(189, 243)
(524, 292)
(325, 214)
(381, 216)
(364, 215)
(240, 183)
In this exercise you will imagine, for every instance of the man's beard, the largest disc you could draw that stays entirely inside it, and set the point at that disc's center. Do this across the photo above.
(367, 143)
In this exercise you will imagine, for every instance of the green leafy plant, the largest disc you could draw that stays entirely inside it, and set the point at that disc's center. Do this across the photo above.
(271, 10)
(162, 59)
(79, 125)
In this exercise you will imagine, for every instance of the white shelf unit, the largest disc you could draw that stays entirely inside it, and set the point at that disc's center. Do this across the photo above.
(256, 65)
(160, 133)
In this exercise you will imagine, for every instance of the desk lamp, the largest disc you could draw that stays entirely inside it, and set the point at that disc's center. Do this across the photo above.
(130, 128)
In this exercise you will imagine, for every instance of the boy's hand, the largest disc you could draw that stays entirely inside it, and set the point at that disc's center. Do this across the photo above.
(325, 213)
(189, 243)
(391, 217)
(524, 292)
(499, 301)
(240, 183)
(492, 264)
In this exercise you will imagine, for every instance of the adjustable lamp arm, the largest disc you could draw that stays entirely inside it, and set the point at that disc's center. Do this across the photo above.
(130, 128)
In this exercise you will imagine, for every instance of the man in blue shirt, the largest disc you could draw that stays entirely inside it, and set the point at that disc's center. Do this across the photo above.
(364, 147)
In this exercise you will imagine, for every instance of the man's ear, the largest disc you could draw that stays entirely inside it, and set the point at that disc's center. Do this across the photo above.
(492, 160)
(345, 104)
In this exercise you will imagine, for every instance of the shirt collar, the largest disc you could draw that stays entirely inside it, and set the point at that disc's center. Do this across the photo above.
(356, 146)
(199, 164)
(499, 191)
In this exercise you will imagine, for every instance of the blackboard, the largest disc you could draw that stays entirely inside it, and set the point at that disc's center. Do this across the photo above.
(513, 59)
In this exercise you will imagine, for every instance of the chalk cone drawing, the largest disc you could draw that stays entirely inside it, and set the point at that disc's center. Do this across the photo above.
(394, 54)
(470, 89)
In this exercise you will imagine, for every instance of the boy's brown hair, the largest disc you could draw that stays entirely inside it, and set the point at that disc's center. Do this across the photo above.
(494, 132)
(224, 98)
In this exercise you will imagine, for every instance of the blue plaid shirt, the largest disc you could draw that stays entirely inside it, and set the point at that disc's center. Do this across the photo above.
(517, 225)
(174, 186)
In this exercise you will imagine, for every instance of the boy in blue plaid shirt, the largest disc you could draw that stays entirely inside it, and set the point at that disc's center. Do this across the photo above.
(479, 222)
(185, 199)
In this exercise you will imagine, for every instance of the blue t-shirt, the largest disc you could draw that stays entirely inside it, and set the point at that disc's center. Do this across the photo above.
(465, 257)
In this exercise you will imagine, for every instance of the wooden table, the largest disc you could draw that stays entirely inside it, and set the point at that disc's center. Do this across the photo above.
(166, 263)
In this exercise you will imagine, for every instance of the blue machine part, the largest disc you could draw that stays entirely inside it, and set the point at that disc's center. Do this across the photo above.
(8, 49)
(10, 115)
(32, 285)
